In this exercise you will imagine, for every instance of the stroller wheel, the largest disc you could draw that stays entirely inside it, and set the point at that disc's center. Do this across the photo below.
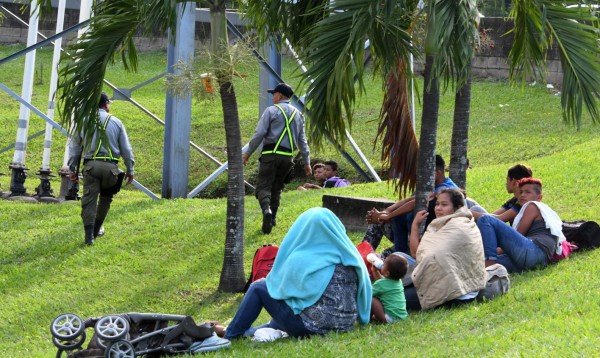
(103, 344)
(69, 345)
(66, 327)
(112, 328)
(119, 349)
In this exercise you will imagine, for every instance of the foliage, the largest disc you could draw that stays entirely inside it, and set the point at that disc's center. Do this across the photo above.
(575, 32)
(111, 32)
(507, 111)
(164, 256)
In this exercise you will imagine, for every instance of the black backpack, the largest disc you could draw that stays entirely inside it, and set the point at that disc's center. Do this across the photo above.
(584, 234)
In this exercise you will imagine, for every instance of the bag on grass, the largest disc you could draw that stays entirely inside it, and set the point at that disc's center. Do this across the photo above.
(497, 282)
(584, 234)
(364, 248)
(262, 263)
(567, 248)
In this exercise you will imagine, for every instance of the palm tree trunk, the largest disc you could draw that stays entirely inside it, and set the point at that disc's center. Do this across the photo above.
(427, 140)
(460, 135)
(232, 274)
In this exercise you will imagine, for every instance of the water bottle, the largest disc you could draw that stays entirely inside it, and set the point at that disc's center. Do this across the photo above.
(375, 260)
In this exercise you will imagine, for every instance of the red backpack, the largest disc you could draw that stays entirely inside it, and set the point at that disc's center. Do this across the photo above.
(262, 263)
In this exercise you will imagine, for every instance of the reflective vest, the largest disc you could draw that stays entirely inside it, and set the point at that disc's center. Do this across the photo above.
(110, 155)
(287, 130)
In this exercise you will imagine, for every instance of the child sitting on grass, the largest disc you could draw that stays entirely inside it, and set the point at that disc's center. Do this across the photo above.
(389, 303)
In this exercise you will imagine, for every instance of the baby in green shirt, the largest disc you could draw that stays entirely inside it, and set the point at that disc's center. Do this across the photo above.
(389, 303)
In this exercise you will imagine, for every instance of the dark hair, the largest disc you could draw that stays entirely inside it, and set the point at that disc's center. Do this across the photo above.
(332, 164)
(537, 184)
(456, 197)
(318, 165)
(440, 164)
(103, 100)
(397, 266)
(519, 171)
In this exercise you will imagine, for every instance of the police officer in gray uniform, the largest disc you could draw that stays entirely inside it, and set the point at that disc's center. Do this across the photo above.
(100, 171)
(281, 131)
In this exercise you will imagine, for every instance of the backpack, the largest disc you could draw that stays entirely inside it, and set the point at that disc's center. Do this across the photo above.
(497, 282)
(262, 263)
(336, 182)
(584, 234)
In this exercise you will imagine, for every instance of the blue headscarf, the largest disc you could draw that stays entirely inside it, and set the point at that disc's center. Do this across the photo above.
(305, 262)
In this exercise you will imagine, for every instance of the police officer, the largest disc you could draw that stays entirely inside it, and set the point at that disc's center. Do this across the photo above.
(100, 167)
(281, 131)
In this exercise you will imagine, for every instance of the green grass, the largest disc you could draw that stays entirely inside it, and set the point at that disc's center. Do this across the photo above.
(166, 256)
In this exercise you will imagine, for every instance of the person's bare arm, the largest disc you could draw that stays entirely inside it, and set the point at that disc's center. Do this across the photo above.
(505, 216)
(398, 204)
(413, 244)
(311, 186)
(499, 211)
(408, 206)
(531, 213)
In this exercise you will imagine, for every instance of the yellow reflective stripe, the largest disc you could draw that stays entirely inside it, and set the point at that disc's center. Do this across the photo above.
(95, 156)
(287, 130)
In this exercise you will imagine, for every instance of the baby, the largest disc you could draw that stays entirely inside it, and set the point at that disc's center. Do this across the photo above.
(389, 303)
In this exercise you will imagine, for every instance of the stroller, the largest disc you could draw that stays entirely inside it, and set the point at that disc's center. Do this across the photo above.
(132, 335)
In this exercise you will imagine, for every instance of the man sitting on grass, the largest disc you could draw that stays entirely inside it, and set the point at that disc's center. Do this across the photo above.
(511, 208)
(319, 175)
(395, 221)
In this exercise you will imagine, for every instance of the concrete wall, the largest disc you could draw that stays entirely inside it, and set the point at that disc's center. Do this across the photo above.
(491, 61)
(13, 31)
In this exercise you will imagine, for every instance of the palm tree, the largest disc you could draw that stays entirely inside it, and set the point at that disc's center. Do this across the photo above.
(330, 36)
(112, 29)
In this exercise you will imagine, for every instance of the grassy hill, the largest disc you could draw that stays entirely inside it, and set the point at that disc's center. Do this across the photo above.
(166, 256)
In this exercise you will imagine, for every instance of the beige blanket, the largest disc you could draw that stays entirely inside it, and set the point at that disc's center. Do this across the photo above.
(450, 260)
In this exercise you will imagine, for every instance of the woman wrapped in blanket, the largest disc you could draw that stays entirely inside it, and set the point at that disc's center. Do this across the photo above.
(536, 234)
(450, 266)
(318, 283)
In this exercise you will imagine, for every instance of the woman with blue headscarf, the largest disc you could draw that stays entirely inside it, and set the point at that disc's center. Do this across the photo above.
(318, 283)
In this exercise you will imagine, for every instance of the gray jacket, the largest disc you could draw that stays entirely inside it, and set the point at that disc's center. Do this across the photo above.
(271, 125)
(118, 142)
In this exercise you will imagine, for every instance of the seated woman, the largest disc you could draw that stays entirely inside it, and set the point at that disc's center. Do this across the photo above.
(450, 266)
(535, 236)
(318, 283)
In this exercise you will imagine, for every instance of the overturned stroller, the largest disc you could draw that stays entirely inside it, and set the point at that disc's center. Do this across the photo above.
(132, 335)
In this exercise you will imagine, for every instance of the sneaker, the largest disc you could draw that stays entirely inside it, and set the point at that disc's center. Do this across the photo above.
(101, 231)
(210, 344)
(267, 223)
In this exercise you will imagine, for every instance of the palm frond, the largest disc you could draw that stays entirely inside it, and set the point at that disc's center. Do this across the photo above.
(335, 57)
(540, 25)
(452, 36)
(291, 18)
(400, 147)
(112, 28)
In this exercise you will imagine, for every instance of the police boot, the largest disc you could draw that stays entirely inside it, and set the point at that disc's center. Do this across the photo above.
(89, 234)
(98, 228)
(274, 216)
(267, 223)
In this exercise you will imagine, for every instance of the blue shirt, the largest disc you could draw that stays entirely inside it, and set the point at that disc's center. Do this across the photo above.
(446, 184)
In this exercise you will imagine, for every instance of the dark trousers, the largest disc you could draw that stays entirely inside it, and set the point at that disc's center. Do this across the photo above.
(401, 226)
(413, 304)
(272, 171)
(98, 177)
